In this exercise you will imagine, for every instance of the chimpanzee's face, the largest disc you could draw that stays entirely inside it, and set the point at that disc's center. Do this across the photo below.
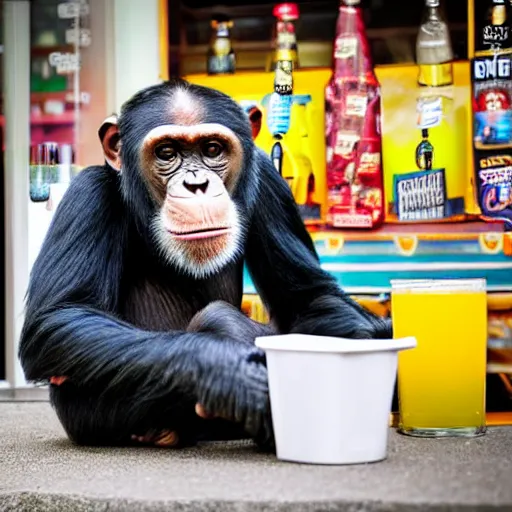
(190, 166)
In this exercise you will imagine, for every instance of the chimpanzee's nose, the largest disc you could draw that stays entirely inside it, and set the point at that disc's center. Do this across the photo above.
(196, 181)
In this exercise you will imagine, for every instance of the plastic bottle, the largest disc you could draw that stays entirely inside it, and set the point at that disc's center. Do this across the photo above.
(355, 196)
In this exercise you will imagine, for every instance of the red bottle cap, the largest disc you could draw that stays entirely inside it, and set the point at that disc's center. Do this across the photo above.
(286, 11)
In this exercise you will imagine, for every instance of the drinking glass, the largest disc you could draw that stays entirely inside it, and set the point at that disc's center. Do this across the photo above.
(441, 382)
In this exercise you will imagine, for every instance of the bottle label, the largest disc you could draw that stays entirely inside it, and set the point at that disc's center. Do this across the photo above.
(283, 78)
(370, 162)
(219, 64)
(496, 35)
(345, 47)
(421, 195)
(278, 113)
(429, 111)
(346, 144)
(356, 105)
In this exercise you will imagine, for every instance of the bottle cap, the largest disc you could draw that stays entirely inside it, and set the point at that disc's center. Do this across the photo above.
(432, 3)
(351, 2)
(220, 19)
(286, 11)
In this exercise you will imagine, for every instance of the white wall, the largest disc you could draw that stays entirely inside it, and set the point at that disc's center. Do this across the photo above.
(16, 87)
(136, 39)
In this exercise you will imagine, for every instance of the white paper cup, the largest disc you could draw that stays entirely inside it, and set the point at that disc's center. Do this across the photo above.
(331, 397)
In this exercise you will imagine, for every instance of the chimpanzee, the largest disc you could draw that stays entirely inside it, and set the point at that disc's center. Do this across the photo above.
(133, 307)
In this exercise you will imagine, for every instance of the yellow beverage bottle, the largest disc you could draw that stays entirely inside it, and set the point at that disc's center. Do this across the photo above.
(441, 382)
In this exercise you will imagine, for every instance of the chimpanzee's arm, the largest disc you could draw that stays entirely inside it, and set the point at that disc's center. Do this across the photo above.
(283, 263)
(71, 328)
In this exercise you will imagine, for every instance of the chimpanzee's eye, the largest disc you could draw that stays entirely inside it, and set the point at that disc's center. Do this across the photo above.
(212, 149)
(166, 152)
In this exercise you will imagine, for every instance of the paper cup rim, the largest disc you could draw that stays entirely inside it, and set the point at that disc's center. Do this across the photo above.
(313, 343)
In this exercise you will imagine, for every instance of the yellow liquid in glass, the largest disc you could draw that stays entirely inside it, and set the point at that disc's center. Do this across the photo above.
(442, 381)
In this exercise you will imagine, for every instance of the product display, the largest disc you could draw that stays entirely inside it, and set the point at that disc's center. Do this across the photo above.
(425, 131)
(491, 76)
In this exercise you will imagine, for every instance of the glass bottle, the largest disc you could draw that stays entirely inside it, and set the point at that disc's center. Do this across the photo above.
(284, 41)
(44, 165)
(355, 194)
(221, 56)
(424, 152)
(494, 33)
(434, 53)
(284, 63)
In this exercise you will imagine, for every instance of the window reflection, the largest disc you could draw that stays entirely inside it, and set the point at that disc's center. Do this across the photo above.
(67, 102)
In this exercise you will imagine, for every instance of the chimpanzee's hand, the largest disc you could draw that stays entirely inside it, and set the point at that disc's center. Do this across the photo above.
(226, 321)
(236, 389)
(341, 316)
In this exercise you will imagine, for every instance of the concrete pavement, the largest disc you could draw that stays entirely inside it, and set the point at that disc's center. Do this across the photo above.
(40, 470)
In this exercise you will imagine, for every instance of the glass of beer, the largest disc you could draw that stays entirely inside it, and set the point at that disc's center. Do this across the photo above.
(441, 382)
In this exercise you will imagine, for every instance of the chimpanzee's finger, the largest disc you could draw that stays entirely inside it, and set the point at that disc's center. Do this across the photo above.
(57, 381)
(200, 411)
(167, 439)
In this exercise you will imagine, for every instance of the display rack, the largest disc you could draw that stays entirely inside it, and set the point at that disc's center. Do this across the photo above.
(364, 263)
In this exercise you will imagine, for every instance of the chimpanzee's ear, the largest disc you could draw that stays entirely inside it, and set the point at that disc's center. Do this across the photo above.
(111, 142)
(255, 116)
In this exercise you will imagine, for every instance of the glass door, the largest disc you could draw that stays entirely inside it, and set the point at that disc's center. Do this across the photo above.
(56, 89)
(67, 103)
(66, 66)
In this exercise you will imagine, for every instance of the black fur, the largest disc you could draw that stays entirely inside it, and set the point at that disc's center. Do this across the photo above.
(133, 335)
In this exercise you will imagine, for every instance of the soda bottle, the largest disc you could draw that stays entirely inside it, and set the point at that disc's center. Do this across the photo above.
(493, 31)
(355, 196)
(284, 41)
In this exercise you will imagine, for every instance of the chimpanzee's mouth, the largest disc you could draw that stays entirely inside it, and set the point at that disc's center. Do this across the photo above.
(200, 233)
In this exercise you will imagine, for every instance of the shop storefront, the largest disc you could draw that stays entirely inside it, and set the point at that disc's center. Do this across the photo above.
(65, 66)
